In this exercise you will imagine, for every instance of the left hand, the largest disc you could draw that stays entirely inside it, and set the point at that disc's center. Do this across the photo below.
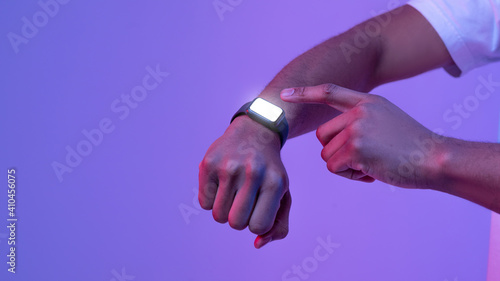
(373, 138)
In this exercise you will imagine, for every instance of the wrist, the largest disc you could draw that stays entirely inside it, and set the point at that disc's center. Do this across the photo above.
(258, 134)
(443, 157)
(268, 115)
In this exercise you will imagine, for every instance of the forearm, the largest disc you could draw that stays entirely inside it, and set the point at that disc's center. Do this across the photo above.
(325, 63)
(392, 54)
(406, 45)
(471, 170)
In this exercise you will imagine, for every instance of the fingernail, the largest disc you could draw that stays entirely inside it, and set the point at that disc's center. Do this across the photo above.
(287, 92)
(263, 241)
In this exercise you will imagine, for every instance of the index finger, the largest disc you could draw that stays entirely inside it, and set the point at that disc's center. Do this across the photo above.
(340, 98)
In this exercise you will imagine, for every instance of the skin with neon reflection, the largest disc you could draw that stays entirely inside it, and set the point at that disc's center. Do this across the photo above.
(393, 55)
(367, 141)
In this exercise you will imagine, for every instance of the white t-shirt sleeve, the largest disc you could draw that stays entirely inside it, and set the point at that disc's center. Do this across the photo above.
(470, 29)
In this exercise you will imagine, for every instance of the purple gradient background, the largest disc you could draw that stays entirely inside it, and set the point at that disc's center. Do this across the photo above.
(120, 208)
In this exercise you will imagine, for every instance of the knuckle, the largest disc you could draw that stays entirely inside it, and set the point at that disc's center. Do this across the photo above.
(299, 91)
(258, 228)
(356, 128)
(205, 204)
(205, 162)
(362, 110)
(375, 101)
(276, 183)
(378, 99)
(219, 216)
(356, 146)
(360, 166)
(277, 180)
(231, 168)
(330, 88)
(280, 187)
(208, 162)
(320, 135)
(324, 154)
(331, 165)
(237, 224)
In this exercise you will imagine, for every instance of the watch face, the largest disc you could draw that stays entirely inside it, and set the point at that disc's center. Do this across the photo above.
(266, 109)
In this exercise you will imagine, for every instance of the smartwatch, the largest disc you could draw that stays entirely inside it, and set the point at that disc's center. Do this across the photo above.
(267, 114)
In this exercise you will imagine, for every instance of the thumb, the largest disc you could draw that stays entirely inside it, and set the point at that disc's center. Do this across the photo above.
(340, 98)
(280, 227)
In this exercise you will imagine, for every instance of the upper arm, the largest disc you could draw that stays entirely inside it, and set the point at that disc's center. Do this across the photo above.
(409, 45)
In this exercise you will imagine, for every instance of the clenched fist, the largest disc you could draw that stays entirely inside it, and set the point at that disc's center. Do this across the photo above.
(243, 181)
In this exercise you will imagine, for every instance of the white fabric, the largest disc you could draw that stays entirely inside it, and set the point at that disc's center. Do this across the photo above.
(470, 29)
(494, 256)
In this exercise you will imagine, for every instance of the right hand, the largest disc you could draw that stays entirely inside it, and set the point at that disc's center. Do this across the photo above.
(243, 181)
